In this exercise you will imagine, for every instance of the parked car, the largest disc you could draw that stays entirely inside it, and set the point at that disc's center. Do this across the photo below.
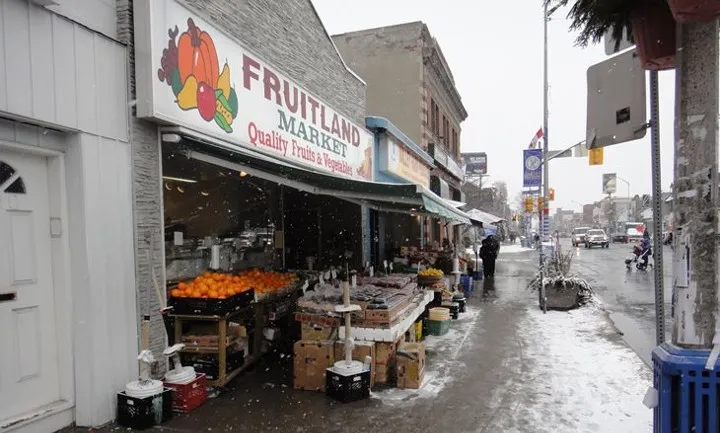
(578, 236)
(620, 238)
(596, 237)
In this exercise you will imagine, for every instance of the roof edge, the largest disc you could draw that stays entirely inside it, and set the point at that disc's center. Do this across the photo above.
(382, 124)
(322, 24)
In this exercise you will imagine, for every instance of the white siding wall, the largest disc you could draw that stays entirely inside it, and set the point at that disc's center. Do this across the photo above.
(103, 269)
(57, 72)
(98, 15)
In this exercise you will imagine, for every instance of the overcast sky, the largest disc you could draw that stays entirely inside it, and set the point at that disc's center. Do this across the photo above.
(495, 52)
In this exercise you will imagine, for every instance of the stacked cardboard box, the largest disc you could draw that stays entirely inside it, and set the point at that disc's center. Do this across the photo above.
(312, 358)
(361, 350)
(410, 365)
(385, 361)
(312, 332)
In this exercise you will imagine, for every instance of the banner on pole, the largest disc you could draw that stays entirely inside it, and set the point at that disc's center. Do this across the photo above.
(532, 167)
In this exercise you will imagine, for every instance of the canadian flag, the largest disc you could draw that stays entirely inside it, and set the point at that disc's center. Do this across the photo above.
(538, 135)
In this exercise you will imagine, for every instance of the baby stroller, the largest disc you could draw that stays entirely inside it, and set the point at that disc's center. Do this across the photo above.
(639, 257)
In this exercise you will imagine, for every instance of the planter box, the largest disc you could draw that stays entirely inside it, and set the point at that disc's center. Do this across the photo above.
(694, 11)
(654, 34)
(561, 298)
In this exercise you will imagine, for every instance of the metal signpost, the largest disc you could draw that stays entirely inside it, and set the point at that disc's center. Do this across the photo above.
(616, 114)
(657, 210)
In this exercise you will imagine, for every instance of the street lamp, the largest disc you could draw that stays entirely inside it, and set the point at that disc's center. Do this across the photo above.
(628, 195)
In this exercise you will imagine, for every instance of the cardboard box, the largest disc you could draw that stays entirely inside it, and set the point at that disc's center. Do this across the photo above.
(312, 332)
(360, 351)
(312, 358)
(385, 360)
(410, 365)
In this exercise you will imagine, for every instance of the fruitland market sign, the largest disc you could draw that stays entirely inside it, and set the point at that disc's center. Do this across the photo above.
(191, 74)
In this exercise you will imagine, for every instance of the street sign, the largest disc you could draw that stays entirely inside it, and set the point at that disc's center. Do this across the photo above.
(610, 42)
(475, 163)
(596, 156)
(567, 153)
(616, 101)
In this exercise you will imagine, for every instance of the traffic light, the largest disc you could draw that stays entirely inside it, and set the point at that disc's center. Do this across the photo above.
(541, 203)
(529, 204)
(551, 194)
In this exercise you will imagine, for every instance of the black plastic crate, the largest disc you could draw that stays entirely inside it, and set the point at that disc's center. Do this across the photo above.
(140, 413)
(212, 307)
(347, 389)
(209, 365)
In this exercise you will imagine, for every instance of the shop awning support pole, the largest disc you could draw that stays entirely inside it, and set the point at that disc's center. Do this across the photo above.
(282, 224)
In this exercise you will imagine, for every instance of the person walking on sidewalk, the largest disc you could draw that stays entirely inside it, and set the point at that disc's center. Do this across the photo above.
(489, 250)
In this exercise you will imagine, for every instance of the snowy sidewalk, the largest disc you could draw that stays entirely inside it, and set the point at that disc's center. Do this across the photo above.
(504, 367)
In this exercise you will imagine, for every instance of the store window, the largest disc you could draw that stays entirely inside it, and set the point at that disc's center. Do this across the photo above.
(10, 183)
(248, 222)
(210, 206)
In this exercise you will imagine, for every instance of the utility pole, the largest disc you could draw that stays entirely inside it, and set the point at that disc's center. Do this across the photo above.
(682, 368)
(696, 186)
(546, 133)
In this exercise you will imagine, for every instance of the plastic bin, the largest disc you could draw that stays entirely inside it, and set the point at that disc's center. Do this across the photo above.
(438, 327)
(188, 396)
(466, 284)
(347, 389)
(212, 307)
(142, 413)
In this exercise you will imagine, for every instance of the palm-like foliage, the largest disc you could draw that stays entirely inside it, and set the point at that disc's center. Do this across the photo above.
(593, 18)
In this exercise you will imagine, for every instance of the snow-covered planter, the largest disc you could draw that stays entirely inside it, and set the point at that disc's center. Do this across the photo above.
(562, 290)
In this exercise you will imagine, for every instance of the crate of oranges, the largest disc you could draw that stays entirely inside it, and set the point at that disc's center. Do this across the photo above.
(268, 285)
(210, 294)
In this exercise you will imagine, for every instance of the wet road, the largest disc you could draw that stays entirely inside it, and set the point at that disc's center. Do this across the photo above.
(628, 296)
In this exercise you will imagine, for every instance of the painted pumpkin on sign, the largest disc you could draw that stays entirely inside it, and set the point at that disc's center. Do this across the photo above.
(197, 56)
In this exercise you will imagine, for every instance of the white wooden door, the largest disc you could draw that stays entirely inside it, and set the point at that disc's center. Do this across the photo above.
(28, 344)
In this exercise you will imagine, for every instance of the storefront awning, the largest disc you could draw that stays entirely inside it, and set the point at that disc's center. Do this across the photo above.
(484, 217)
(404, 198)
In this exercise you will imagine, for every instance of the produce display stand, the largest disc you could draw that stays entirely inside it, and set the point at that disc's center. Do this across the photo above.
(259, 309)
(224, 376)
(396, 331)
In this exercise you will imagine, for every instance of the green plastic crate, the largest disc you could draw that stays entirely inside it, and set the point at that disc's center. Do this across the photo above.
(438, 327)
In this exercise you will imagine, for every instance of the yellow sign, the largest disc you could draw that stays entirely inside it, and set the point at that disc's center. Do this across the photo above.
(402, 163)
(595, 156)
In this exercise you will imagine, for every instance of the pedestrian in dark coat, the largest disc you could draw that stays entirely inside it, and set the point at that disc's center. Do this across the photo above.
(489, 250)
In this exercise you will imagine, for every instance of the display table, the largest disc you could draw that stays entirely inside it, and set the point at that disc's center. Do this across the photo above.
(393, 333)
(224, 376)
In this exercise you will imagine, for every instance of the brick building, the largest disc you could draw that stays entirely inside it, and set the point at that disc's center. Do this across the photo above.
(410, 83)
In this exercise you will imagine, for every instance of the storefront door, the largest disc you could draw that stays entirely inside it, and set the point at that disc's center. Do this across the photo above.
(29, 376)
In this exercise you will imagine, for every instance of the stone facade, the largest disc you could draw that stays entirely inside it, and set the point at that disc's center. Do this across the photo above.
(290, 36)
(389, 59)
(405, 70)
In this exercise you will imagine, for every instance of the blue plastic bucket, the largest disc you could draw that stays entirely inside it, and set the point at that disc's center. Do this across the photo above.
(466, 282)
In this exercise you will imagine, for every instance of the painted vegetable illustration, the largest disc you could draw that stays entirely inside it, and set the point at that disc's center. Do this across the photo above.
(197, 55)
(191, 69)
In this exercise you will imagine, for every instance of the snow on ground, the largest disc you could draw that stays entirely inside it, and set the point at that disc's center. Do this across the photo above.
(444, 351)
(574, 375)
(514, 248)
